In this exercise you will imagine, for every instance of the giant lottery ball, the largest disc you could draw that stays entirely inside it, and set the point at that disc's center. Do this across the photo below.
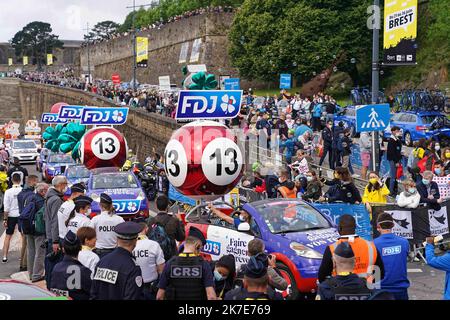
(55, 108)
(103, 147)
(203, 161)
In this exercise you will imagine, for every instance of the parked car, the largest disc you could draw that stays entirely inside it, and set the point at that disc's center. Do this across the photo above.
(18, 290)
(25, 150)
(77, 173)
(292, 230)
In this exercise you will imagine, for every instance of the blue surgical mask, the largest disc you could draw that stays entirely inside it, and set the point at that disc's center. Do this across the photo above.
(412, 190)
(437, 171)
(218, 276)
(425, 182)
(309, 178)
(242, 218)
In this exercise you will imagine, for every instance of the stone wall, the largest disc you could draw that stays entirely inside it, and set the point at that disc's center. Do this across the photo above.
(28, 100)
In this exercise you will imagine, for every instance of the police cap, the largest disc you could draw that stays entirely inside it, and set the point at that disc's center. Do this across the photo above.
(78, 187)
(344, 250)
(128, 230)
(257, 266)
(82, 201)
(104, 198)
(196, 233)
(71, 239)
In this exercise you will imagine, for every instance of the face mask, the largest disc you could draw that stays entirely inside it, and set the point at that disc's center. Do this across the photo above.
(336, 176)
(88, 212)
(437, 171)
(242, 218)
(309, 178)
(412, 190)
(437, 148)
(218, 276)
(280, 180)
(373, 180)
(65, 189)
(447, 155)
(425, 182)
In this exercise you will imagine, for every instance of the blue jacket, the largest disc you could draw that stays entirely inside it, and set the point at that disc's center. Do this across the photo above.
(440, 263)
(300, 130)
(288, 144)
(394, 253)
(317, 111)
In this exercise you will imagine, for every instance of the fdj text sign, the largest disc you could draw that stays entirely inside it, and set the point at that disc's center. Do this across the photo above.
(209, 104)
(374, 117)
(104, 116)
(70, 112)
(51, 118)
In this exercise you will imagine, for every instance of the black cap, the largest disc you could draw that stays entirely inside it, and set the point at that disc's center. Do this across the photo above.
(344, 250)
(71, 239)
(105, 198)
(257, 266)
(78, 187)
(196, 233)
(128, 230)
(82, 201)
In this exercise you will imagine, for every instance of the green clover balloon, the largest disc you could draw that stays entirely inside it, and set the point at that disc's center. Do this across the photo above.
(202, 81)
(51, 135)
(70, 137)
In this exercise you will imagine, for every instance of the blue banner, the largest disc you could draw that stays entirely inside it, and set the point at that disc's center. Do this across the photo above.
(232, 84)
(208, 104)
(174, 195)
(104, 116)
(358, 211)
(70, 112)
(373, 117)
(51, 118)
(285, 81)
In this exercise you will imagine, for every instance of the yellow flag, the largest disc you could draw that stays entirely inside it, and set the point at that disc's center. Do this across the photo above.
(49, 59)
(10, 61)
(25, 60)
(142, 51)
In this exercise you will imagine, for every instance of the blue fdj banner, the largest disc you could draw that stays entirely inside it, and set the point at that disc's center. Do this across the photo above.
(358, 211)
(285, 81)
(104, 116)
(373, 117)
(232, 84)
(70, 112)
(174, 195)
(51, 118)
(208, 104)
(126, 206)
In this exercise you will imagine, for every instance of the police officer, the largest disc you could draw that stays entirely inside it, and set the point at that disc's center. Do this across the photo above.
(345, 285)
(79, 216)
(117, 276)
(187, 276)
(104, 225)
(69, 277)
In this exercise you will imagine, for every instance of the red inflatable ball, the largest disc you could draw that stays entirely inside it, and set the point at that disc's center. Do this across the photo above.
(55, 108)
(103, 147)
(203, 161)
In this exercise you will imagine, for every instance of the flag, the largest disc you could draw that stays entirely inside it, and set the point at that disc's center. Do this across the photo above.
(49, 59)
(142, 52)
(25, 60)
(10, 61)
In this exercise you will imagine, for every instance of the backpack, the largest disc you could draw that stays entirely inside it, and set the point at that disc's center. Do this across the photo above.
(39, 222)
(27, 218)
(339, 144)
(158, 233)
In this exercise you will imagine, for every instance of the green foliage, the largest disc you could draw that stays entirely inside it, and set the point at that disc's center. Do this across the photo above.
(300, 37)
(35, 40)
(102, 31)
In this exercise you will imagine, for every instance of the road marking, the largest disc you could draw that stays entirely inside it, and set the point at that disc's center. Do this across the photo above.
(414, 270)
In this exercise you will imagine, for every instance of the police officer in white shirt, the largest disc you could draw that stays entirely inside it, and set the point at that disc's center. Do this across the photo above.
(11, 212)
(104, 225)
(79, 216)
(67, 207)
(86, 256)
(150, 257)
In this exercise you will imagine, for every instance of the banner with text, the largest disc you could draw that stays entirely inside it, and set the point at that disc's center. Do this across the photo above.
(142, 52)
(49, 59)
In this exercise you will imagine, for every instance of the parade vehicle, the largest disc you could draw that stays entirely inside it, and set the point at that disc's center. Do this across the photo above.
(293, 231)
(56, 164)
(123, 187)
(76, 174)
(348, 116)
(41, 159)
(415, 125)
(25, 150)
(18, 290)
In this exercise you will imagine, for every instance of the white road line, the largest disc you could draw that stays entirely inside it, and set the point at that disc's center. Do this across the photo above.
(414, 270)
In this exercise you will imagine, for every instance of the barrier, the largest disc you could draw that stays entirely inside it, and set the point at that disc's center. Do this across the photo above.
(358, 211)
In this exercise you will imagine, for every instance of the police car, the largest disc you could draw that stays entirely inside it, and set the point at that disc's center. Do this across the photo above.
(292, 230)
(76, 174)
(56, 164)
(124, 188)
(18, 290)
(348, 117)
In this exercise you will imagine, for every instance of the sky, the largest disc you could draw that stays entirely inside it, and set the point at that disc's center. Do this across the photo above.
(68, 18)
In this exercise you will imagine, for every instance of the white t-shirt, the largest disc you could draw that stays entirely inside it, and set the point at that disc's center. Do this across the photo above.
(148, 255)
(104, 225)
(63, 214)
(80, 220)
(11, 205)
(88, 259)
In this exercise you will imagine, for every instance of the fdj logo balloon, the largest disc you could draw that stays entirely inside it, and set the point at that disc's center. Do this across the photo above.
(51, 118)
(70, 112)
(104, 116)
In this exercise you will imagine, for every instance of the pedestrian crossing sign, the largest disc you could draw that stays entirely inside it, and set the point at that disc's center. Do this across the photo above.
(373, 117)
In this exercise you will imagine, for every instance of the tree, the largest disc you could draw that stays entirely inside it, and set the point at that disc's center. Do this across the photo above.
(36, 40)
(102, 31)
(301, 37)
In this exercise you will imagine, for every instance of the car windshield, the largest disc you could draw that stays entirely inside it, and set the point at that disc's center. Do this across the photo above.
(24, 145)
(430, 119)
(114, 181)
(77, 172)
(60, 158)
(291, 216)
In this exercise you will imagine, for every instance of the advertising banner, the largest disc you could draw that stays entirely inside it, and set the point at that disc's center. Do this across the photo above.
(285, 81)
(195, 54)
(25, 60)
(183, 52)
(10, 61)
(400, 32)
(49, 59)
(142, 52)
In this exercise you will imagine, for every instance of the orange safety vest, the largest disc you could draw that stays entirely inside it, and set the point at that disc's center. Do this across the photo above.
(288, 193)
(365, 255)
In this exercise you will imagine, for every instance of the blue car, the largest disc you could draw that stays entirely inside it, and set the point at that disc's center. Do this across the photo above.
(348, 116)
(77, 173)
(124, 188)
(56, 164)
(420, 124)
(293, 231)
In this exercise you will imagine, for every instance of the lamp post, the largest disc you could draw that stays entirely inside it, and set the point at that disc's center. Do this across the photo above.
(375, 82)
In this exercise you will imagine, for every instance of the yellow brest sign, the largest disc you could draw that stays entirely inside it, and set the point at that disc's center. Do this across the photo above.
(49, 59)
(142, 51)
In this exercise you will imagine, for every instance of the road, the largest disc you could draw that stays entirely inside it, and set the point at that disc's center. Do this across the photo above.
(426, 283)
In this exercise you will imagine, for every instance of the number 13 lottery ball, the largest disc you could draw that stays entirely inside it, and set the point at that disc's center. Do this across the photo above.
(103, 147)
(203, 161)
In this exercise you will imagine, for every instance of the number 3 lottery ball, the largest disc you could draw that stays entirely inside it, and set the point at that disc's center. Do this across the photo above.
(203, 161)
(103, 147)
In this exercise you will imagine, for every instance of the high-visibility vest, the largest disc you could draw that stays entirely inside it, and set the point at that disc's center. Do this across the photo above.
(365, 255)
(288, 193)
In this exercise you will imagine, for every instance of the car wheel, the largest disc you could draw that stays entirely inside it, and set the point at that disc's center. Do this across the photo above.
(408, 140)
(291, 293)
